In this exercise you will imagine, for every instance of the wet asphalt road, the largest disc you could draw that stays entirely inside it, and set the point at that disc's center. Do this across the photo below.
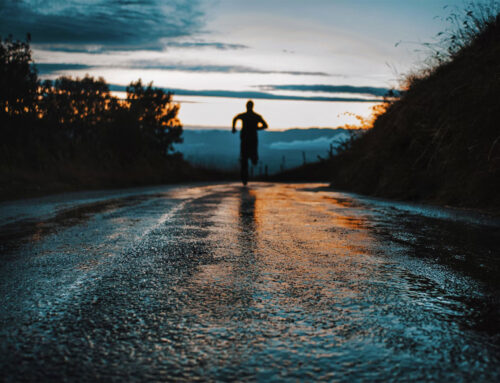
(270, 282)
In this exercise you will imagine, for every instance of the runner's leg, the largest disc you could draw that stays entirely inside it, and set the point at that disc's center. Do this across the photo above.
(244, 170)
(255, 159)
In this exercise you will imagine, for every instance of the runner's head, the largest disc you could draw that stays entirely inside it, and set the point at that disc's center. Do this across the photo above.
(249, 105)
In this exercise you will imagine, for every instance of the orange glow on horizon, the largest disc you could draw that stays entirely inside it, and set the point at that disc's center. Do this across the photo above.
(365, 123)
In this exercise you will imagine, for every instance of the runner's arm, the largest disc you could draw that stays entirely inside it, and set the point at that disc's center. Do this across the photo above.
(263, 124)
(235, 119)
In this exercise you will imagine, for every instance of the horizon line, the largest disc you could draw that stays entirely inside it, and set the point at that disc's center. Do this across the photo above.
(222, 128)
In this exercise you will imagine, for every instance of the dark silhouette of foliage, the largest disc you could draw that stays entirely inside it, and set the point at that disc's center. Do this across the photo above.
(18, 79)
(155, 115)
(75, 129)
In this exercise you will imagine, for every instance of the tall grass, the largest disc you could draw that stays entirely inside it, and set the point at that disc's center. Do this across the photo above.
(465, 24)
(441, 140)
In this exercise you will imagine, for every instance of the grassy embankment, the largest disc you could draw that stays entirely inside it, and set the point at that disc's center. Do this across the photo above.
(440, 142)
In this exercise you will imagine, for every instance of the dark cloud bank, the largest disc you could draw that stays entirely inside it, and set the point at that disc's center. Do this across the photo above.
(114, 24)
(50, 68)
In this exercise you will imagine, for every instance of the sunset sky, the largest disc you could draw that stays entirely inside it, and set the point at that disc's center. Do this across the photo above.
(305, 63)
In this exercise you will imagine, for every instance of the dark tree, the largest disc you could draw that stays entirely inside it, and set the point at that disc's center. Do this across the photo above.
(155, 115)
(18, 78)
(79, 108)
(74, 128)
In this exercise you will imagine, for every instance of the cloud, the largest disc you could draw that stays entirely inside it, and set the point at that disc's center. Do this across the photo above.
(263, 95)
(112, 24)
(218, 68)
(181, 67)
(315, 144)
(365, 90)
(49, 68)
(59, 68)
(254, 95)
(96, 49)
(205, 44)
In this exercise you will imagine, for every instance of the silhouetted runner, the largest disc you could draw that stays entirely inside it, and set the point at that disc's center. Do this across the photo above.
(248, 135)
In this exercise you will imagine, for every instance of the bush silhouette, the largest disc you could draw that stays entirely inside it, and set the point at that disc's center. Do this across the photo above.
(76, 130)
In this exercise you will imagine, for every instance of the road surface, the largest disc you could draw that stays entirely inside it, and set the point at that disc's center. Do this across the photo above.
(223, 282)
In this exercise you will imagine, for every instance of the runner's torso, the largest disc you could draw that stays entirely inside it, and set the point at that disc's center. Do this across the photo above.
(250, 122)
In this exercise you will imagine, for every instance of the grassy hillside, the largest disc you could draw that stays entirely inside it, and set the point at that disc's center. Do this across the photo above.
(440, 142)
